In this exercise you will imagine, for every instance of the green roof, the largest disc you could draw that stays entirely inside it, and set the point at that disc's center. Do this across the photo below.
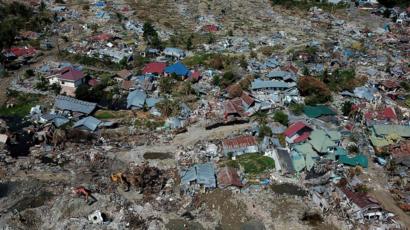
(306, 150)
(298, 161)
(401, 130)
(317, 111)
(334, 135)
(359, 159)
(320, 141)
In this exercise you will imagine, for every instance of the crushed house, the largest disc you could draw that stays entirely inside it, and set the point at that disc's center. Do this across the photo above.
(240, 145)
(76, 107)
(200, 176)
(228, 176)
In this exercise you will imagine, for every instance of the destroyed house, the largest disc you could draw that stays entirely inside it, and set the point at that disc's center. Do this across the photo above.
(70, 104)
(88, 123)
(237, 107)
(240, 145)
(123, 75)
(258, 85)
(228, 176)
(174, 52)
(282, 76)
(200, 174)
(361, 203)
(318, 111)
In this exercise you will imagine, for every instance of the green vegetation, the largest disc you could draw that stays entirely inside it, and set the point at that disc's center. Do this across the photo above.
(281, 117)
(296, 109)
(392, 3)
(16, 16)
(21, 107)
(307, 4)
(315, 91)
(252, 163)
(168, 107)
(347, 108)
(341, 80)
(148, 124)
(151, 36)
(264, 131)
(104, 115)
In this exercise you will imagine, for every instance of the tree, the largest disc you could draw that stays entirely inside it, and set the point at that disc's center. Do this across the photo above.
(314, 90)
(296, 109)
(211, 38)
(347, 108)
(265, 130)
(166, 84)
(216, 80)
(56, 88)
(189, 43)
(83, 92)
(167, 107)
(235, 90)
(42, 84)
(217, 62)
(281, 117)
(150, 35)
(42, 6)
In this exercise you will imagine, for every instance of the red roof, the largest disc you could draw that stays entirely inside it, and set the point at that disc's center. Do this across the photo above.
(195, 75)
(93, 82)
(228, 176)
(102, 37)
(154, 67)
(359, 198)
(389, 113)
(239, 142)
(71, 74)
(22, 51)
(210, 28)
(302, 137)
(400, 150)
(294, 128)
(247, 99)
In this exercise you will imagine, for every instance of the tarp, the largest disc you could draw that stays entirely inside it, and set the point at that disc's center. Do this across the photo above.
(317, 111)
(359, 159)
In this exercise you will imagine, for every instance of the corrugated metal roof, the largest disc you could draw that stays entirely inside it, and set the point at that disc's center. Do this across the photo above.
(74, 105)
(261, 84)
(401, 130)
(320, 141)
(178, 68)
(239, 142)
(294, 128)
(228, 176)
(317, 111)
(201, 173)
(136, 98)
(90, 123)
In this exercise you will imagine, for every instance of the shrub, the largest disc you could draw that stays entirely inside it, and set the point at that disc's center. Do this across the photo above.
(296, 109)
(281, 117)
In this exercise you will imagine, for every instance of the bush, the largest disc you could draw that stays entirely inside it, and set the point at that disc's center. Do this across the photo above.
(315, 91)
(296, 109)
(347, 108)
(281, 117)
(264, 131)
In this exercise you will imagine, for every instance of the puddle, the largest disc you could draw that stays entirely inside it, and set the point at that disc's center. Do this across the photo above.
(157, 156)
(32, 201)
(289, 189)
(178, 224)
(6, 188)
(22, 146)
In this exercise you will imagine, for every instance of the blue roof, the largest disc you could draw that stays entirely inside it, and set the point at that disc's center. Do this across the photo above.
(201, 173)
(151, 102)
(365, 92)
(178, 68)
(90, 123)
(74, 105)
(136, 99)
(100, 4)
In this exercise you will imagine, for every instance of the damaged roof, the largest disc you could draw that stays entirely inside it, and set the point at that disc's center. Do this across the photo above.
(200, 173)
(228, 176)
(239, 142)
(74, 105)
